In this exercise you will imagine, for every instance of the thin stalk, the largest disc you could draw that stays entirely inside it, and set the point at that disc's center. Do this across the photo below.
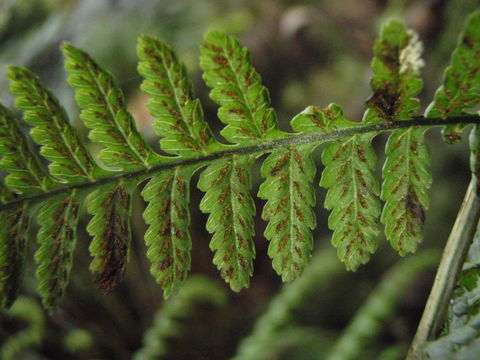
(450, 266)
(418, 121)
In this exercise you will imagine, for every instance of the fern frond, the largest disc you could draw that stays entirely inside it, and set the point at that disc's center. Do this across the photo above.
(168, 320)
(406, 176)
(104, 111)
(32, 333)
(14, 225)
(168, 237)
(179, 117)
(281, 310)
(26, 175)
(380, 305)
(227, 199)
(110, 206)
(70, 161)
(244, 101)
(396, 82)
(461, 86)
(289, 174)
(57, 238)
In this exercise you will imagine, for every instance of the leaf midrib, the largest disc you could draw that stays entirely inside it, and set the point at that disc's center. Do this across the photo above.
(259, 148)
(113, 117)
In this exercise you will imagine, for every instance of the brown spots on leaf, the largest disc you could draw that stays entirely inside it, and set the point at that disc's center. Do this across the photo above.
(228, 273)
(238, 111)
(216, 49)
(114, 240)
(250, 134)
(166, 263)
(281, 163)
(221, 60)
(414, 208)
(468, 42)
(384, 101)
(298, 190)
(239, 172)
(299, 213)
(282, 224)
(361, 154)
(298, 159)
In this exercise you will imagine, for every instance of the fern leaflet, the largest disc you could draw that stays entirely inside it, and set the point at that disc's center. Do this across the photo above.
(57, 241)
(168, 237)
(461, 86)
(25, 173)
(104, 111)
(406, 177)
(289, 173)
(70, 161)
(244, 101)
(14, 226)
(110, 228)
(179, 117)
(226, 184)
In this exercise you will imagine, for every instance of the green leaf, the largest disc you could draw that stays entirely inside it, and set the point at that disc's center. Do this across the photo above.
(110, 226)
(405, 189)
(396, 82)
(5, 194)
(461, 86)
(236, 87)
(314, 119)
(352, 196)
(57, 237)
(351, 183)
(405, 173)
(14, 226)
(70, 161)
(168, 237)
(105, 112)
(231, 208)
(179, 117)
(289, 174)
(26, 175)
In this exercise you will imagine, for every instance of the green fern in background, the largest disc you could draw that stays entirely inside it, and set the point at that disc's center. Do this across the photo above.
(53, 196)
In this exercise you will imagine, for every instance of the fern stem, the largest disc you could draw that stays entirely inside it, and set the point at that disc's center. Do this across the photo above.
(418, 121)
(450, 265)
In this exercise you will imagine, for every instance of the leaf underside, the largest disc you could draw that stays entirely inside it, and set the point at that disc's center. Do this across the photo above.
(231, 208)
(460, 90)
(57, 241)
(13, 244)
(168, 237)
(73, 179)
(110, 228)
(406, 175)
(288, 188)
(352, 196)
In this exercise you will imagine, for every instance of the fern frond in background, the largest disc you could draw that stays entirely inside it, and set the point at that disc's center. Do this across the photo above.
(197, 290)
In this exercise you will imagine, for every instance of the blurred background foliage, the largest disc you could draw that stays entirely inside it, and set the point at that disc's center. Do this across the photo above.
(307, 52)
